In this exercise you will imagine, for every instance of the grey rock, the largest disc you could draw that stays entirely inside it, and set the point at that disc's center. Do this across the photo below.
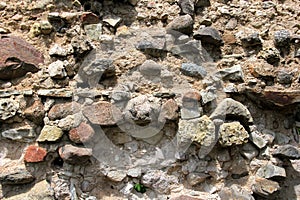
(191, 113)
(63, 92)
(264, 187)
(196, 178)
(251, 40)
(22, 134)
(258, 139)
(119, 96)
(284, 77)
(287, 151)
(249, 151)
(154, 48)
(8, 108)
(183, 24)
(116, 175)
(207, 96)
(234, 73)
(235, 192)
(231, 24)
(271, 171)
(93, 31)
(209, 35)
(233, 134)
(150, 68)
(57, 70)
(234, 108)
(134, 172)
(193, 70)
(187, 6)
(282, 38)
(81, 45)
(223, 155)
(16, 177)
(57, 50)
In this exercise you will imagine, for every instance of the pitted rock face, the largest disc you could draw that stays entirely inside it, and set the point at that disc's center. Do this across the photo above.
(233, 134)
(8, 108)
(17, 57)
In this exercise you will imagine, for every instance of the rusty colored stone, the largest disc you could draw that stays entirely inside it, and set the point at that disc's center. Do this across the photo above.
(35, 112)
(17, 57)
(35, 154)
(282, 98)
(83, 133)
(100, 113)
(89, 18)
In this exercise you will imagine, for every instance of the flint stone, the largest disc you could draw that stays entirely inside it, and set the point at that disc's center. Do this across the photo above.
(16, 176)
(234, 74)
(287, 151)
(17, 57)
(193, 70)
(233, 134)
(234, 108)
(183, 24)
(8, 108)
(271, 171)
(209, 35)
(264, 187)
(75, 155)
(282, 38)
(187, 6)
(21, 134)
(50, 134)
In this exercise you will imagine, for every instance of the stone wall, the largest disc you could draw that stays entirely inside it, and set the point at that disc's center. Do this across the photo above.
(149, 99)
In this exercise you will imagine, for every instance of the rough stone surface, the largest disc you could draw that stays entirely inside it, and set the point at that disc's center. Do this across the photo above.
(57, 70)
(62, 110)
(81, 134)
(193, 70)
(182, 24)
(35, 112)
(233, 134)
(209, 35)
(35, 154)
(287, 151)
(15, 176)
(271, 171)
(8, 108)
(282, 38)
(235, 192)
(50, 134)
(265, 187)
(17, 58)
(234, 74)
(75, 155)
(99, 113)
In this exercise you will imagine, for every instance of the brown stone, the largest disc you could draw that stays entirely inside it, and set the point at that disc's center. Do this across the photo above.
(89, 18)
(35, 112)
(229, 38)
(17, 57)
(62, 110)
(35, 154)
(169, 110)
(75, 155)
(83, 133)
(191, 96)
(100, 113)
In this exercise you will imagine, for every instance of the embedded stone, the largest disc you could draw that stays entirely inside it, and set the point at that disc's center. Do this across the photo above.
(8, 108)
(50, 134)
(169, 110)
(187, 6)
(287, 151)
(35, 154)
(282, 38)
(251, 40)
(235, 192)
(15, 176)
(265, 187)
(83, 133)
(234, 74)
(117, 175)
(193, 70)
(17, 57)
(35, 112)
(233, 108)
(22, 134)
(57, 70)
(271, 171)
(150, 68)
(233, 134)
(196, 178)
(209, 35)
(75, 155)
(62, 110)
(100, 113)
(183, 24)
